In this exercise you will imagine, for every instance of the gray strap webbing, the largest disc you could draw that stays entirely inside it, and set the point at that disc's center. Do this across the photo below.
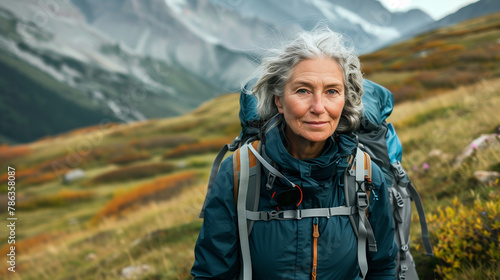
(360, 166)
(421, 214)
(350, 197)
(215, 169)
(365, 230)
(254, 190)
(300, 213)
(246, 268)
(372, 243)
(268, 166)
(407, 268)
(362, 234)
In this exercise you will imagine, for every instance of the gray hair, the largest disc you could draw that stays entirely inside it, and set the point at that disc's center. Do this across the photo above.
(276, 70)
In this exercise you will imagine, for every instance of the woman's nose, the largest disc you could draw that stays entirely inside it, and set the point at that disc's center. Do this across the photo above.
(317, 106)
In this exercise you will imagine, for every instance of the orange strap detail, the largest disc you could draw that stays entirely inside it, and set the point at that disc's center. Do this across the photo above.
(237, 167)
(314, 272)
(368, 168)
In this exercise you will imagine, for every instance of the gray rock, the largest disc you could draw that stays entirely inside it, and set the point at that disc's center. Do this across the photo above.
(486, 177)
(135, 272)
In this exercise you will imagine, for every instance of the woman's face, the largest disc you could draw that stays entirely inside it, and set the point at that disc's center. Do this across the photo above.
(313, 100)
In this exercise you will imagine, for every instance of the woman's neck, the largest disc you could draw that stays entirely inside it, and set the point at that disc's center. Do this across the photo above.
(301, 148)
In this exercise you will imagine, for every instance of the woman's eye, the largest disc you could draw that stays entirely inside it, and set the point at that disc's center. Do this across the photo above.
(333, 91)
(302, 90)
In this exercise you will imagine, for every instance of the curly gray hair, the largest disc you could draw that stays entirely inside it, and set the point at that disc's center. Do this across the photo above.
(276, 70)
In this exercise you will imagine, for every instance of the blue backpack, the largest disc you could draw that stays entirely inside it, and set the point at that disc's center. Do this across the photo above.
(377, 140)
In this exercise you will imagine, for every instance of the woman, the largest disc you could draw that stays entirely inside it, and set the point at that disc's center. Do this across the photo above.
(309, 96)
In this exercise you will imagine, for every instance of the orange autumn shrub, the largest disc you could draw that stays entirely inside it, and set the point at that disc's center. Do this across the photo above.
(20, 175)
(8, 153)
(24, 245)
(40, 179)
(160, 189)
(204, 146)
(62, 198)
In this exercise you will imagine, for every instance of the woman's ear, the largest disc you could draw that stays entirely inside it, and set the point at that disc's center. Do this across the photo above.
(277, 101)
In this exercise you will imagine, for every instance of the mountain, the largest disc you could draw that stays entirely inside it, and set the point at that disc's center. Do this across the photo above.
(52, 52)
(220, 41)
(477, 9)
(130, 60)
(180, 35)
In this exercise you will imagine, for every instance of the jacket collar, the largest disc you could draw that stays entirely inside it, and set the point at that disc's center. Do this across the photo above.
(336, 147)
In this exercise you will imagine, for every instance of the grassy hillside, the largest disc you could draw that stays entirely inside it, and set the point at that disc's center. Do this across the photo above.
(440, 60)
(145, 183)
(83, 222)
(95, 228)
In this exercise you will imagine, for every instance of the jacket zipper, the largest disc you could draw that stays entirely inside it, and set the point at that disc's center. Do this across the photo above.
(315, 248)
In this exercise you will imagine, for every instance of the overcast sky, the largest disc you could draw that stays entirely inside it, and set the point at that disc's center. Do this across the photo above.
(435, 8)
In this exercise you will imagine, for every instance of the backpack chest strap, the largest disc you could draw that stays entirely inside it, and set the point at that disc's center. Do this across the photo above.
(301, 213)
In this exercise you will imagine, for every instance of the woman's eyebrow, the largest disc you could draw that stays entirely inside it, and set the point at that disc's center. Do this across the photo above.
(307, 83)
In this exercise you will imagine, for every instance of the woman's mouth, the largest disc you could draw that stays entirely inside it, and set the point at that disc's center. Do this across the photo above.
(316, 124)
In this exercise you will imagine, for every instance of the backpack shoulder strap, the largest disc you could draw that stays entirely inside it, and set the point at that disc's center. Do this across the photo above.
(247, 193)
(357, 189)
(215, 169)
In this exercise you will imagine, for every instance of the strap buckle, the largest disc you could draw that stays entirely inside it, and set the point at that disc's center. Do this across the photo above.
(399, 172)
(298, 214)
(362, 200)
(270, 181)
(402, 273)
(270, 215)
(399, 200)
(235, 144)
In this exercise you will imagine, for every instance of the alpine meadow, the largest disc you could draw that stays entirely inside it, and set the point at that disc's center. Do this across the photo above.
(134, 211)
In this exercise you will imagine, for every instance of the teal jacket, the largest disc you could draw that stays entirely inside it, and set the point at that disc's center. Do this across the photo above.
(284, 249)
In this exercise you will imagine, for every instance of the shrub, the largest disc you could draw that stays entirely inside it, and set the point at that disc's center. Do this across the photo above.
(467, 236)
(39, 179)
(206, 146)
(450, 78)
(452, 48)
(405, 92)
(129, 157)
(397, 65)
(33, 175)
(182, 127)
(64, 197)
(161, 188)
(8, 153)
(431, 45)
(133, 172)
(479, 55)
(161, 142)
(24, 245)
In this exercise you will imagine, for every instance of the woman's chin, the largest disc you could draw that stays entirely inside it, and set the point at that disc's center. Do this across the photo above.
(317, 136)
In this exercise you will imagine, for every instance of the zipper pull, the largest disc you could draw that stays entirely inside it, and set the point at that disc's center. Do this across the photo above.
(314, 271)
(315, 227)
